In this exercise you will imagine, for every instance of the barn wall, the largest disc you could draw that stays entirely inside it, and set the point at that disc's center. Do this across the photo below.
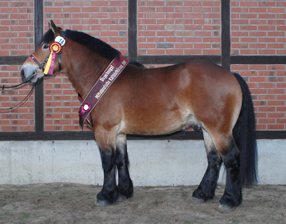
(152, 163)
(164, 28)
(16, 38)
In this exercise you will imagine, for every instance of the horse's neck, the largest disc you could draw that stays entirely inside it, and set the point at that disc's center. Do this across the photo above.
(84, 68)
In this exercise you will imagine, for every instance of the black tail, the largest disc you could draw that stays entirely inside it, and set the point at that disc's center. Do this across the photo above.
(245, 137)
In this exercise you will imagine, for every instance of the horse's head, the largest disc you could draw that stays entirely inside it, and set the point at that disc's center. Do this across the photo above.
(33, 68)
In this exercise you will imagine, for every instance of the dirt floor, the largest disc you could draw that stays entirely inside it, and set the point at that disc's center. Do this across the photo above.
(74, 203)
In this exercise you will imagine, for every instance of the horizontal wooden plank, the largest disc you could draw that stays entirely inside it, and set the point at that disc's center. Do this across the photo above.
(46, 135)
(173, 59)
(180, 135)
(271, 134)
(243, 59)
(88, 135)
(12, 60)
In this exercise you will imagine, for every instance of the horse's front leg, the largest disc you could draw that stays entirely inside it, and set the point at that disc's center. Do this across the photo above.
(109, 192)
(125, 186)
(106, 144)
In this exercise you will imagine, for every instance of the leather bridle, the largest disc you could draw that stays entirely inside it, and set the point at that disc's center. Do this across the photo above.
(41, 65)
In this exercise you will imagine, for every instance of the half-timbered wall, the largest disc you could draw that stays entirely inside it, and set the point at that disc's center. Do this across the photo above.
(248, 37)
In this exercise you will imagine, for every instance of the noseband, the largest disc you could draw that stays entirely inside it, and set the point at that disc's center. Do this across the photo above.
(41, 65)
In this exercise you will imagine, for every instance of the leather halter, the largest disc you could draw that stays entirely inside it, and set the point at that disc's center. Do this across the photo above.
(41, 65)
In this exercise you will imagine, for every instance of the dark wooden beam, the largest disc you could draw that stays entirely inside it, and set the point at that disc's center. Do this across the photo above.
(39, 89)
(12, 60)
(88, 135)
(267, 59)
(132, 30)
(46, 136)
(225, 34)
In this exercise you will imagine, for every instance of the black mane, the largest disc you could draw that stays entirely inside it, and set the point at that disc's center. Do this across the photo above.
(48, 37)
(97, 45)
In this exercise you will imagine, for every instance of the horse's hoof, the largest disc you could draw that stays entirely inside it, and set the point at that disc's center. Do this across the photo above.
(225, 208)
(121, 198)
(197, 201)
(101, 203)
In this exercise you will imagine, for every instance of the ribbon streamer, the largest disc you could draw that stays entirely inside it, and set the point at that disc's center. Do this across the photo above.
(51, 71)
(48, 65)
(55, 48)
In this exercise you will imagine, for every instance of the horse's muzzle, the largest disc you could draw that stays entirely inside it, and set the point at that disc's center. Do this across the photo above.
(28, 73)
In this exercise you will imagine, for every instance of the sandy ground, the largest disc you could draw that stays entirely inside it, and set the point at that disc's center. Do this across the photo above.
(74, 203)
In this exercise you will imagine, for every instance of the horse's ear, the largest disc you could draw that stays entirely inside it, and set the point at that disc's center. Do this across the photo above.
(53, 27)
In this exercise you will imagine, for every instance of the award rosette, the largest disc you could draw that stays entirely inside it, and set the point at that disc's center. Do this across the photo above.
(55, 48)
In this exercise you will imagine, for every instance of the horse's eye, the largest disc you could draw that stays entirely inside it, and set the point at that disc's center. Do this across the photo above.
(45, 46)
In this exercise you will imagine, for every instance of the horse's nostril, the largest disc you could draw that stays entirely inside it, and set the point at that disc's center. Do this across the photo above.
(23, 75)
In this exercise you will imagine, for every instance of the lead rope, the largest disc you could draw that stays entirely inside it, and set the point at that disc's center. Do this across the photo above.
(22, 101)
(14, 86)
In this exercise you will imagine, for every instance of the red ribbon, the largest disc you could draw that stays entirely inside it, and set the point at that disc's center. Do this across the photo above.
(51, 70)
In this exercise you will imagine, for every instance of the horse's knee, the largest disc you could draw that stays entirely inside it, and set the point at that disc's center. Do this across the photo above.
(107, 160)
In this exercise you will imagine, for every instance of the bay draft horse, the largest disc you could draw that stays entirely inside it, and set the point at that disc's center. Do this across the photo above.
(160, 101)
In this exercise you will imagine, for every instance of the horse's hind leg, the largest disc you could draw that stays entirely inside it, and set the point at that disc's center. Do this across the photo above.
(230, 154)
(232, 196)
(206, 189)
(125, 186)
